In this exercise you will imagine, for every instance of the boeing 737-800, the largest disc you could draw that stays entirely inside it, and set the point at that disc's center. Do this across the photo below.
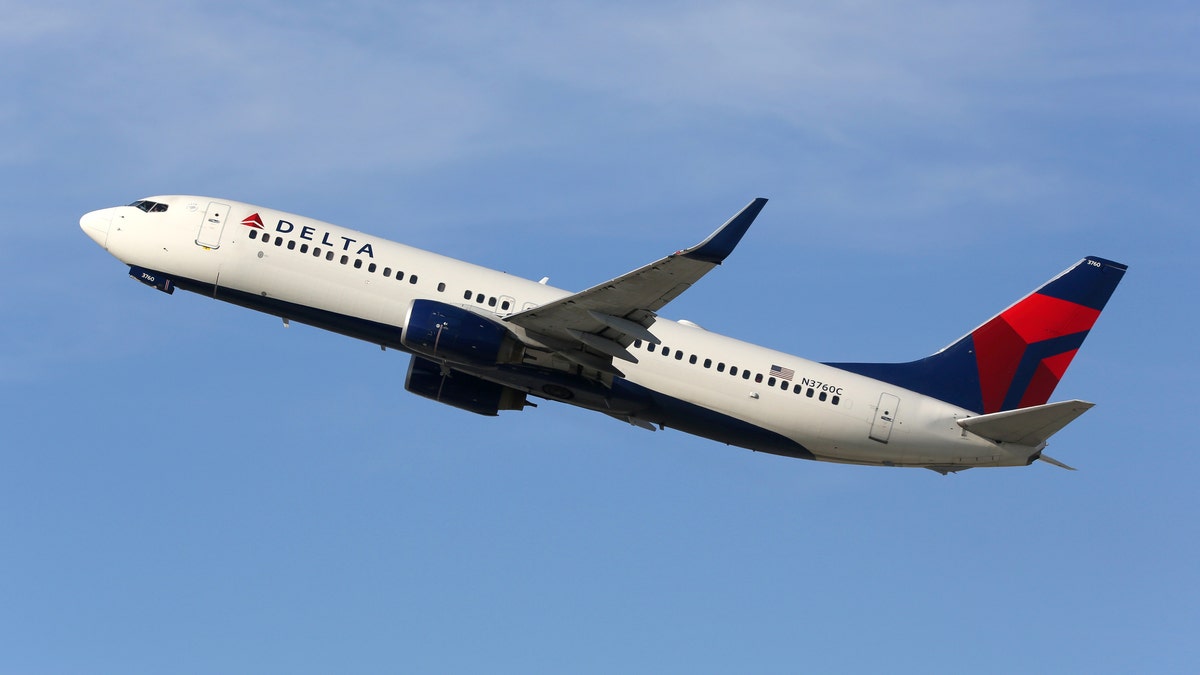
(485, 341)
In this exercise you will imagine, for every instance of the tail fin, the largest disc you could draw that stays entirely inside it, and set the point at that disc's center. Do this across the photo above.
(1015, 359)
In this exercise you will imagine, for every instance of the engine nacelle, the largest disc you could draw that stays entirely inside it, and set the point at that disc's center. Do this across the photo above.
(446, 332)
(461, 390)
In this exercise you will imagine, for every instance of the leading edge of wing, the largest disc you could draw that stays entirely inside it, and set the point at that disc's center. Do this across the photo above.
(650, 287)
(721, 243)
(606, 311)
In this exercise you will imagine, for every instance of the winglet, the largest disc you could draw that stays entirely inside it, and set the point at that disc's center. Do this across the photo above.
(721, 243)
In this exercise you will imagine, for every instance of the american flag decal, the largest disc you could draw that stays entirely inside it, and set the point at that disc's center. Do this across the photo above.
(783, 373)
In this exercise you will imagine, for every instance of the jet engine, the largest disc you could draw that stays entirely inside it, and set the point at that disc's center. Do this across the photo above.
(450, 333)
(458, 389)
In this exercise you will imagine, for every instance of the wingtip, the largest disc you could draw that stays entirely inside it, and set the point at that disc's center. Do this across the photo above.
(721, 243)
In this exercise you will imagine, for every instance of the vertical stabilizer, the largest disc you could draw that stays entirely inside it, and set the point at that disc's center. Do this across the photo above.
(1016, 358)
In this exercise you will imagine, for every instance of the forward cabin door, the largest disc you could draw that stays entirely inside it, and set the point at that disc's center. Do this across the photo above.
(209, 235)
(885, 415)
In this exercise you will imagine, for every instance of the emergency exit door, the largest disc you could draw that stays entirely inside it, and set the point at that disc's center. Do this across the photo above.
(209, 235)
(885, 416)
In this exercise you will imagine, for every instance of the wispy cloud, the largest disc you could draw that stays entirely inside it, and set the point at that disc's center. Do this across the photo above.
(870, 96)
(370, 84)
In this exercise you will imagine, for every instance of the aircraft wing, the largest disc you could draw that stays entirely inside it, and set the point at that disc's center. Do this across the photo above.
(595, 326)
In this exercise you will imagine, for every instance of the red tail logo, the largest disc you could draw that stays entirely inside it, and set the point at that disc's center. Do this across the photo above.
(1020, 333)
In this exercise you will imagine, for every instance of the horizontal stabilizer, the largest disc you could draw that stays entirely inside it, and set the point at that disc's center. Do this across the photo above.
(1026, 426)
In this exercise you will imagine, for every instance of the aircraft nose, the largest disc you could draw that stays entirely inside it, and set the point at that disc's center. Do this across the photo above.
(95, 225)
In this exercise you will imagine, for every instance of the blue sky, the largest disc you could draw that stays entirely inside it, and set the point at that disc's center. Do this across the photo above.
(187, 487)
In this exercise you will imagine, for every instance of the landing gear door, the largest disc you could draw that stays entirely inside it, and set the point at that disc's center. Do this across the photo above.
(209, 235)
(885, 416)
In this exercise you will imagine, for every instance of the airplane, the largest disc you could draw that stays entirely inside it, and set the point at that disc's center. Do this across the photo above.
(486, 341)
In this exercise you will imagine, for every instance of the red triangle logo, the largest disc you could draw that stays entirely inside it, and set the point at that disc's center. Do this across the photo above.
(253, 221)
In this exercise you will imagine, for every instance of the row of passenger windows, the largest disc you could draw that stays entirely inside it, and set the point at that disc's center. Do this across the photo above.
(746, 374)
(505, 304)
(489, 300)
(330, 254)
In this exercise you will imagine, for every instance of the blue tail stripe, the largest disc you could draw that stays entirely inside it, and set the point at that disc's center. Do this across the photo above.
(1033, 356)
(951, 375)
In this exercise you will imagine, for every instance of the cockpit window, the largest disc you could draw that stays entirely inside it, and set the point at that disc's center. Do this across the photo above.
(149, 206)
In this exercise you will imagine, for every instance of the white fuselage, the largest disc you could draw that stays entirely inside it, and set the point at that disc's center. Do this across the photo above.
(293, 263)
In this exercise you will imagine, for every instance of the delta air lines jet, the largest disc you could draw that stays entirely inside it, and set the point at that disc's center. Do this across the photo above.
(485, 341)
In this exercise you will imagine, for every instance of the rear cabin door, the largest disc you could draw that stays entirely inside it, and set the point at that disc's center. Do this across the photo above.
(209, 235)
(885, 415)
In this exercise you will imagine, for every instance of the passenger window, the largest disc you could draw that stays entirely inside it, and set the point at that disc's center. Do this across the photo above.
(412, 279)
(708, 363)
(809, 392)
(266, 238)
(745, 374)
(692, 359)
(770, 381)
(835, 400)
(505, 305)
(733, 370)
(279, 241)
(637, 344)
(304, 248)
(358, 263)
(758, 378)
(345, 259)
(291, 244)
(491, 302)
(822, 397)
(442, 287)
(329, 255)
(371, 268)
(253, 233)
(467, 295)
(399, 275)
(479, 298)
(650, 347)
(387, 271)
(721, 367)
(783, 384)
(679, 355)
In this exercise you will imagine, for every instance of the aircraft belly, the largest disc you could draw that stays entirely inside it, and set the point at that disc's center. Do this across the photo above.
(694, 419)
